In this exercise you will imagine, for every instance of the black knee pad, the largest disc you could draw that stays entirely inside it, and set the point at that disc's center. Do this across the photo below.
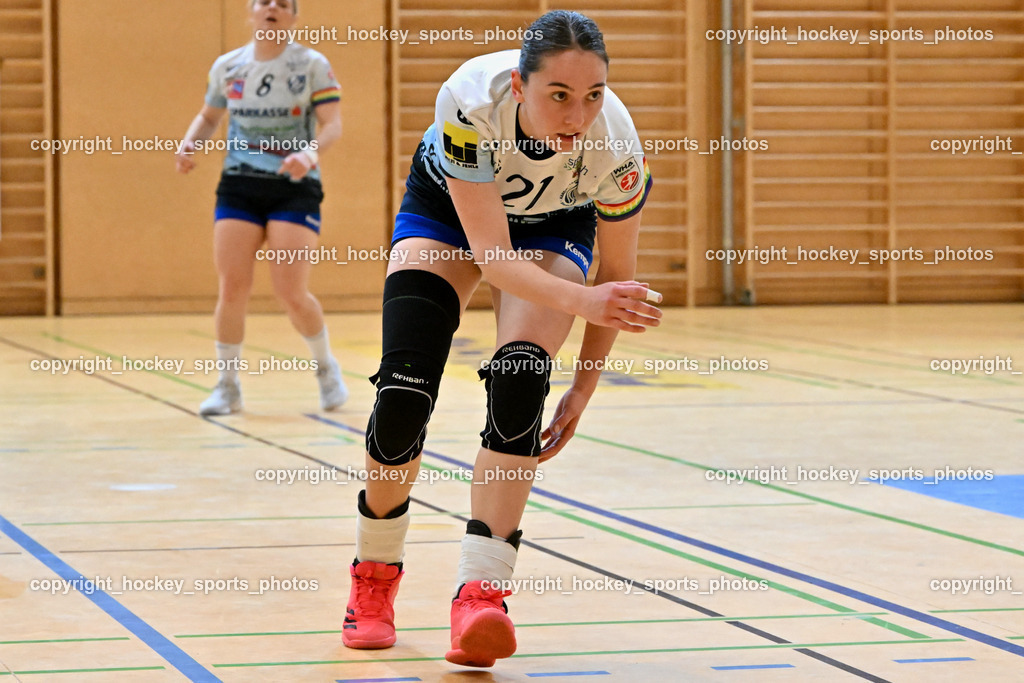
(516, 380)
(421, 314)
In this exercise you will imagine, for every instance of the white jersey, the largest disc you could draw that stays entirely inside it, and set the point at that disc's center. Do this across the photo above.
(271, 104)
(476, 137)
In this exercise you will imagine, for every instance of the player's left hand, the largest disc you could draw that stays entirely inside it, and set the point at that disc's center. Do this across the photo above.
(296, 165)
(563, 424)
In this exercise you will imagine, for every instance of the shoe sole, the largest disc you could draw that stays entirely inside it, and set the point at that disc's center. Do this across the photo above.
(211, 411)
(489, 637)
(379, 644)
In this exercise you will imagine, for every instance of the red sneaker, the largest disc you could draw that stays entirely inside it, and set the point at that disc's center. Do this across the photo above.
(370, 617)
(481, 629)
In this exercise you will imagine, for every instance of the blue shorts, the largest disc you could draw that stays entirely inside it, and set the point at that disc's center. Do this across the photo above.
(575, 249)
(427, 211)
(261, 198)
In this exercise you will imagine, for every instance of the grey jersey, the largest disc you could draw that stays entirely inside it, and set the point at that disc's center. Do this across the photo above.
(271, 104)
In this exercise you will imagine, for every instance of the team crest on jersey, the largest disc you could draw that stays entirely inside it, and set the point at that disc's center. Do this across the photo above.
(460, 145)
(297, 83)
(236, 88)
(627, 176)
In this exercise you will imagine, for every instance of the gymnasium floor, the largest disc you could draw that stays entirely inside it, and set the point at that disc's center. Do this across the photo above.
(111, 485)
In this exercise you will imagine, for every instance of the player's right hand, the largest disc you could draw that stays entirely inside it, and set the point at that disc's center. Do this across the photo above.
(621, 305)
(183, 157)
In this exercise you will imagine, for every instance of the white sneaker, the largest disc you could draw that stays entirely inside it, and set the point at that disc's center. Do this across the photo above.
(225, 399)
(333, 392)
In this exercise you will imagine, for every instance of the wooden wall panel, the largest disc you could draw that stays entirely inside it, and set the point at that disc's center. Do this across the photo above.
(26, 263)
(851, 128)
(648, 49)
(135, 235)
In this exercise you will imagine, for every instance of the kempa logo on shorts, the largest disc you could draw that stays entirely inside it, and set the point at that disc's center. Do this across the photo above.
(571, 248)
(312, 221)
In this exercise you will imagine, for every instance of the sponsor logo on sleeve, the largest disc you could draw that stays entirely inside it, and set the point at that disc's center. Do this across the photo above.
(627, 176)
(460, 145)
(236, 88)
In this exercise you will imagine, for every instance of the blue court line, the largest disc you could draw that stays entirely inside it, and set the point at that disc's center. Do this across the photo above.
(376, 680)
(157, 642)
(934, 659)
(923, 617)
(569, 673)
(738, 667)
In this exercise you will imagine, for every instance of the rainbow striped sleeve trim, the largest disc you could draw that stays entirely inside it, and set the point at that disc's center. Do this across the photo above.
(332, 94)
(618, 212)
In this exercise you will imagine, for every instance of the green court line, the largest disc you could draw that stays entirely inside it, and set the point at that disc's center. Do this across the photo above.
(643, 351)
(795, 592)
(237, 519)
(61, 640)
(593, 653)
(189, 520)
(1015, 637)
(82, 671)
(557, 623)
(90, 349)
(727, 336)
(263, 633)
(272, 352)
(700, 507)
(816, 499)
(971, 611)
(792, 591)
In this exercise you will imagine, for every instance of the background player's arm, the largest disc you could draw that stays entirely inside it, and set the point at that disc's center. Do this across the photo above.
(328, 119)
(612, 304)
(617, 242)
(203, 126)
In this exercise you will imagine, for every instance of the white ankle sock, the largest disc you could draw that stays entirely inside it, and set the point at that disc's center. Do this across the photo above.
(491, 559)
(381, 540)
(320, 347)
(228, 355)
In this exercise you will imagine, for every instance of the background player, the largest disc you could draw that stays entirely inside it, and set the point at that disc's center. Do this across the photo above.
(269, 189)
(500, 169)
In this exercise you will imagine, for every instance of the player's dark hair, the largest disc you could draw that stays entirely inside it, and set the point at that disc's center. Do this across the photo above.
(557, 31)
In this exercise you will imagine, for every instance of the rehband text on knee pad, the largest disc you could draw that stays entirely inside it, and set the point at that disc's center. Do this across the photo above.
(420, 316)
(516, 381)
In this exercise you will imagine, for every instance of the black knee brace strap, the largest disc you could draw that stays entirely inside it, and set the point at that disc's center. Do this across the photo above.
(516, 380)
(421, 314)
